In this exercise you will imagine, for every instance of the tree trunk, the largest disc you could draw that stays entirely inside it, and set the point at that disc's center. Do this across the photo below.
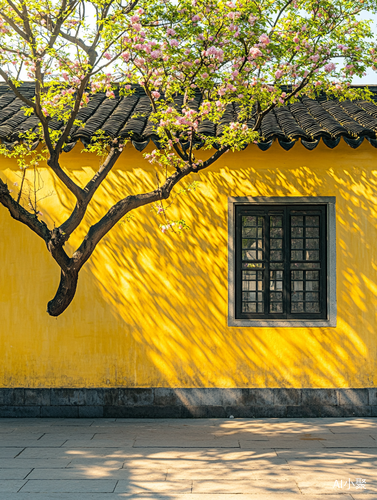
(64, 294)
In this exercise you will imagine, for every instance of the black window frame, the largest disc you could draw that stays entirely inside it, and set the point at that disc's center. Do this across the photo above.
(266, 210)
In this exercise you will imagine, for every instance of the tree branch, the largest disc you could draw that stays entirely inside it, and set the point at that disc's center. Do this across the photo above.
(18, 212)
(118, 211)
(79, 211)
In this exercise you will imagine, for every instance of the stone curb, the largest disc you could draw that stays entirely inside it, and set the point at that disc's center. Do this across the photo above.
(187, 403)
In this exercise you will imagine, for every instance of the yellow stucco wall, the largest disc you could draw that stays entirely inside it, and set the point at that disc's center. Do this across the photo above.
(151, 310)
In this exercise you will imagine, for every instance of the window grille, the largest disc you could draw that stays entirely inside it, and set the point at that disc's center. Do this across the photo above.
(281, 262)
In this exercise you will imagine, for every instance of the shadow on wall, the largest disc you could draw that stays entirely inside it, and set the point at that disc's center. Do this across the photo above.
(151, 309)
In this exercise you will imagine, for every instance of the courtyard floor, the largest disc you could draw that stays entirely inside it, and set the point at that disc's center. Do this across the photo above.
(213, 459)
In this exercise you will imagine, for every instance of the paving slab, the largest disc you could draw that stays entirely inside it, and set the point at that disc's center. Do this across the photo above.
(182, 442)
(10, 452)
(98, 443)
(14, 473)
(69, 486)
(99, 473)
(31, 463)
(10, 485)
(243, 487)
(16, 442)
(137, 487)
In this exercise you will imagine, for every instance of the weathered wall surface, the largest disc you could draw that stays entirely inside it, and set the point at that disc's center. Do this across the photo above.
(151, 309)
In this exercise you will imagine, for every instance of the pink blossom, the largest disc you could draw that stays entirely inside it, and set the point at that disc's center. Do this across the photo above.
(107, 56)
(330, 67)
(279, 73)
(170, 32)
(136, 27)
(155, 54)
(195, 18)
(314, 58)
(140, 11)
(255, 52)
(110, 94)
(296, 39)
(135, 18)
(264, 39)
(252, 20)
(173, 43)
(156, 94)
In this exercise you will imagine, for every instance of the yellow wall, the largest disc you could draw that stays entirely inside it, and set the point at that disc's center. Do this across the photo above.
(151, 309)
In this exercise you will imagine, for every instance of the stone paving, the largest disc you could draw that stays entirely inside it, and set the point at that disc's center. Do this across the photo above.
(204, 459)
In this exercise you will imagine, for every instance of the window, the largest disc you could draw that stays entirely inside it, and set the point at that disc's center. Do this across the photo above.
(282, 262)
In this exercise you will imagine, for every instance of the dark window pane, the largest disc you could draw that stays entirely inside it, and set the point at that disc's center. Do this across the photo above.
(297, 243)
(297, 307)
(297, 285)
(249, 255)
(260, 232)
(249, 220)
(279, 285)
(249, 243)
(276, 307)
(312, 243)
(276, 265)
(296, 255)
(276, 232)
(249, 232)
(297, 296)
(312, 232)
(312, 275)
(279, 275)
(260, 221)
(312, 285)
(297, 275)
(276, 221)
(297, 220)
(249, 307)
(311, 296)
(297, 232)
(249, 285)
(249, 275)
(276, 244)
(312, 255)
(312, 220)
(276, 296)
(312, 307)
(305, 265)
(260, 307)
(249, 296)
(276, 255)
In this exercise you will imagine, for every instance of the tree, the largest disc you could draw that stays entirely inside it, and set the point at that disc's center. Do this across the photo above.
(255, 55)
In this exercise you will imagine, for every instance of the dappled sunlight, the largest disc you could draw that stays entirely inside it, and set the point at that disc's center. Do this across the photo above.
(151, 309)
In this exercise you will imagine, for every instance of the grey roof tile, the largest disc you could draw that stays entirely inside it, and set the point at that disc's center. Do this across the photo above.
(308, 120)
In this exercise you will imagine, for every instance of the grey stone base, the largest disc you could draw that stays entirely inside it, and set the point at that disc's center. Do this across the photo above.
(188, 403)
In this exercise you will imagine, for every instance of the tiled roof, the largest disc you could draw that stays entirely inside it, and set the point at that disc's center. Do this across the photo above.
(308, 120)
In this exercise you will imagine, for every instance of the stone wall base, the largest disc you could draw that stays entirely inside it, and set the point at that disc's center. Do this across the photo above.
(188, 403)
